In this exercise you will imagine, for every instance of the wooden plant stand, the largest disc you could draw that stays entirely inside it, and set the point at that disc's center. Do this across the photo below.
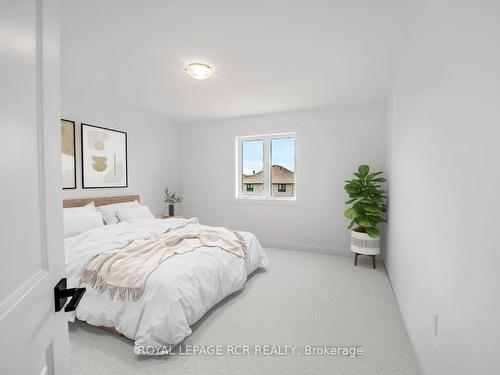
(374, 259)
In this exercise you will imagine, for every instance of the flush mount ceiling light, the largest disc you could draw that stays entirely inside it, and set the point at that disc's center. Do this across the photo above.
(199, 71)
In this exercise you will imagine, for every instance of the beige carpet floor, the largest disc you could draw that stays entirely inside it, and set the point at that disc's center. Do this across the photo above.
(302, 299)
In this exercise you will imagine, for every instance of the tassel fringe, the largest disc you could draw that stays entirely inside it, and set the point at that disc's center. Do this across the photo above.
(119, 292)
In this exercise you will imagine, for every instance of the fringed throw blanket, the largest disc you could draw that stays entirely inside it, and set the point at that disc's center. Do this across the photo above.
(123, 272)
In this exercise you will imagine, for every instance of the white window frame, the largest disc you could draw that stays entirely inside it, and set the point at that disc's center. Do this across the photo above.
(266, 196)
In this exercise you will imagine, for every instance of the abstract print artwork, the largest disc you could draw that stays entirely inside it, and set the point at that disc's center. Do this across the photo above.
(104, 157)
(68, 154)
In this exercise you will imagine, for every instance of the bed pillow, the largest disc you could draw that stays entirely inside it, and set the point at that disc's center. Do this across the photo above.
(76, 219)
(109, 210)
(89, 207)
(75, 224)
(129, 214)
(72, 225)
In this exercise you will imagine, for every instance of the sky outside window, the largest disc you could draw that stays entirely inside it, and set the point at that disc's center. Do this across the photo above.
(283, 153)
(253, 157)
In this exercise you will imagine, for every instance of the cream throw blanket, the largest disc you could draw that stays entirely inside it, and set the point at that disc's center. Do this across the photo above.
(123, 272)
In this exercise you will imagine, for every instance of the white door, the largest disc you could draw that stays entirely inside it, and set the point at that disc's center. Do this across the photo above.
(33, 337)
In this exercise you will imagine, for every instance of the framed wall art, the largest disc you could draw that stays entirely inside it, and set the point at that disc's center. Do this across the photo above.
(104, 157)
(68, 154)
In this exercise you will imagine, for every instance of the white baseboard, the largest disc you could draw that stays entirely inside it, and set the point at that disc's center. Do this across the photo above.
(307, 248)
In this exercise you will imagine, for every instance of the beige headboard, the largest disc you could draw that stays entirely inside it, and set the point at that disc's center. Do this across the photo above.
(100, 201)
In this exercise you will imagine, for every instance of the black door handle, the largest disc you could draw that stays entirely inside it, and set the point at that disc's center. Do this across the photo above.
(61, 294)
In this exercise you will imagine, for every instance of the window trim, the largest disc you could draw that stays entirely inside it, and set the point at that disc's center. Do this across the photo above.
(267, 197)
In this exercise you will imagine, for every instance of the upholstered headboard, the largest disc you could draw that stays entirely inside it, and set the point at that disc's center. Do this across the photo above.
(100, 201)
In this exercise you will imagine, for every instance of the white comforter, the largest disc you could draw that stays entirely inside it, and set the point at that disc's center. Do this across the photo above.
(177, 293)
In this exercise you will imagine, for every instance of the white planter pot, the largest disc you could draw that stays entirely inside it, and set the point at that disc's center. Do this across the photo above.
(361, 243)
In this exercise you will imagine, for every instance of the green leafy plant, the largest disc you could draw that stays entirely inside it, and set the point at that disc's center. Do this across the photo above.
(171, 198)
(367, 200)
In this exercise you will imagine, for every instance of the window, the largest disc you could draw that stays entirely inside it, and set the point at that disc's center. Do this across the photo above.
(283, 166)
(266, 167)
(252, 163)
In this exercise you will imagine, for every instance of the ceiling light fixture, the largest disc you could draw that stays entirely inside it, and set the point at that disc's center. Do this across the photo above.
(199, 71)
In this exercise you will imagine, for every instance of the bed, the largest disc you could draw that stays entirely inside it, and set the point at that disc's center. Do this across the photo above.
(176, 294)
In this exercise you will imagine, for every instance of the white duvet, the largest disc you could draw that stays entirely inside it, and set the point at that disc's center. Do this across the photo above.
(177, 293)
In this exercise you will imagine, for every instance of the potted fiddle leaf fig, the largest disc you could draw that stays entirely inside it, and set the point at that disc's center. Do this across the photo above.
(171, 199)
(367, 201)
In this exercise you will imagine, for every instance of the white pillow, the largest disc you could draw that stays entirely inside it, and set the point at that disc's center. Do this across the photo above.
(72, 225)
(89, 207)
(129, 214)
(109, 211)
(78, 223)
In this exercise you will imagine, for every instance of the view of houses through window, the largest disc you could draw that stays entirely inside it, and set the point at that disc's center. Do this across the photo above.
(283, 167)
(253, 165)
(268, 160)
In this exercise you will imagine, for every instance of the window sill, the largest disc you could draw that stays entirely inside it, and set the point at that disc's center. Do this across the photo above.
(267, 201)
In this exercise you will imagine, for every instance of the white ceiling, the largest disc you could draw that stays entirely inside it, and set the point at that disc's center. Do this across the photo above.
(269, 55)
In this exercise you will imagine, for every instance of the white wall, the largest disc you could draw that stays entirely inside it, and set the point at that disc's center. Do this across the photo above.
(443, 250)
(333, 143)
(152, 148)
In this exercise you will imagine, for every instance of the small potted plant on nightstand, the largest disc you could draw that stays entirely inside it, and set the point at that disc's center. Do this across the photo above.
(368, 208)
(171, 199)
